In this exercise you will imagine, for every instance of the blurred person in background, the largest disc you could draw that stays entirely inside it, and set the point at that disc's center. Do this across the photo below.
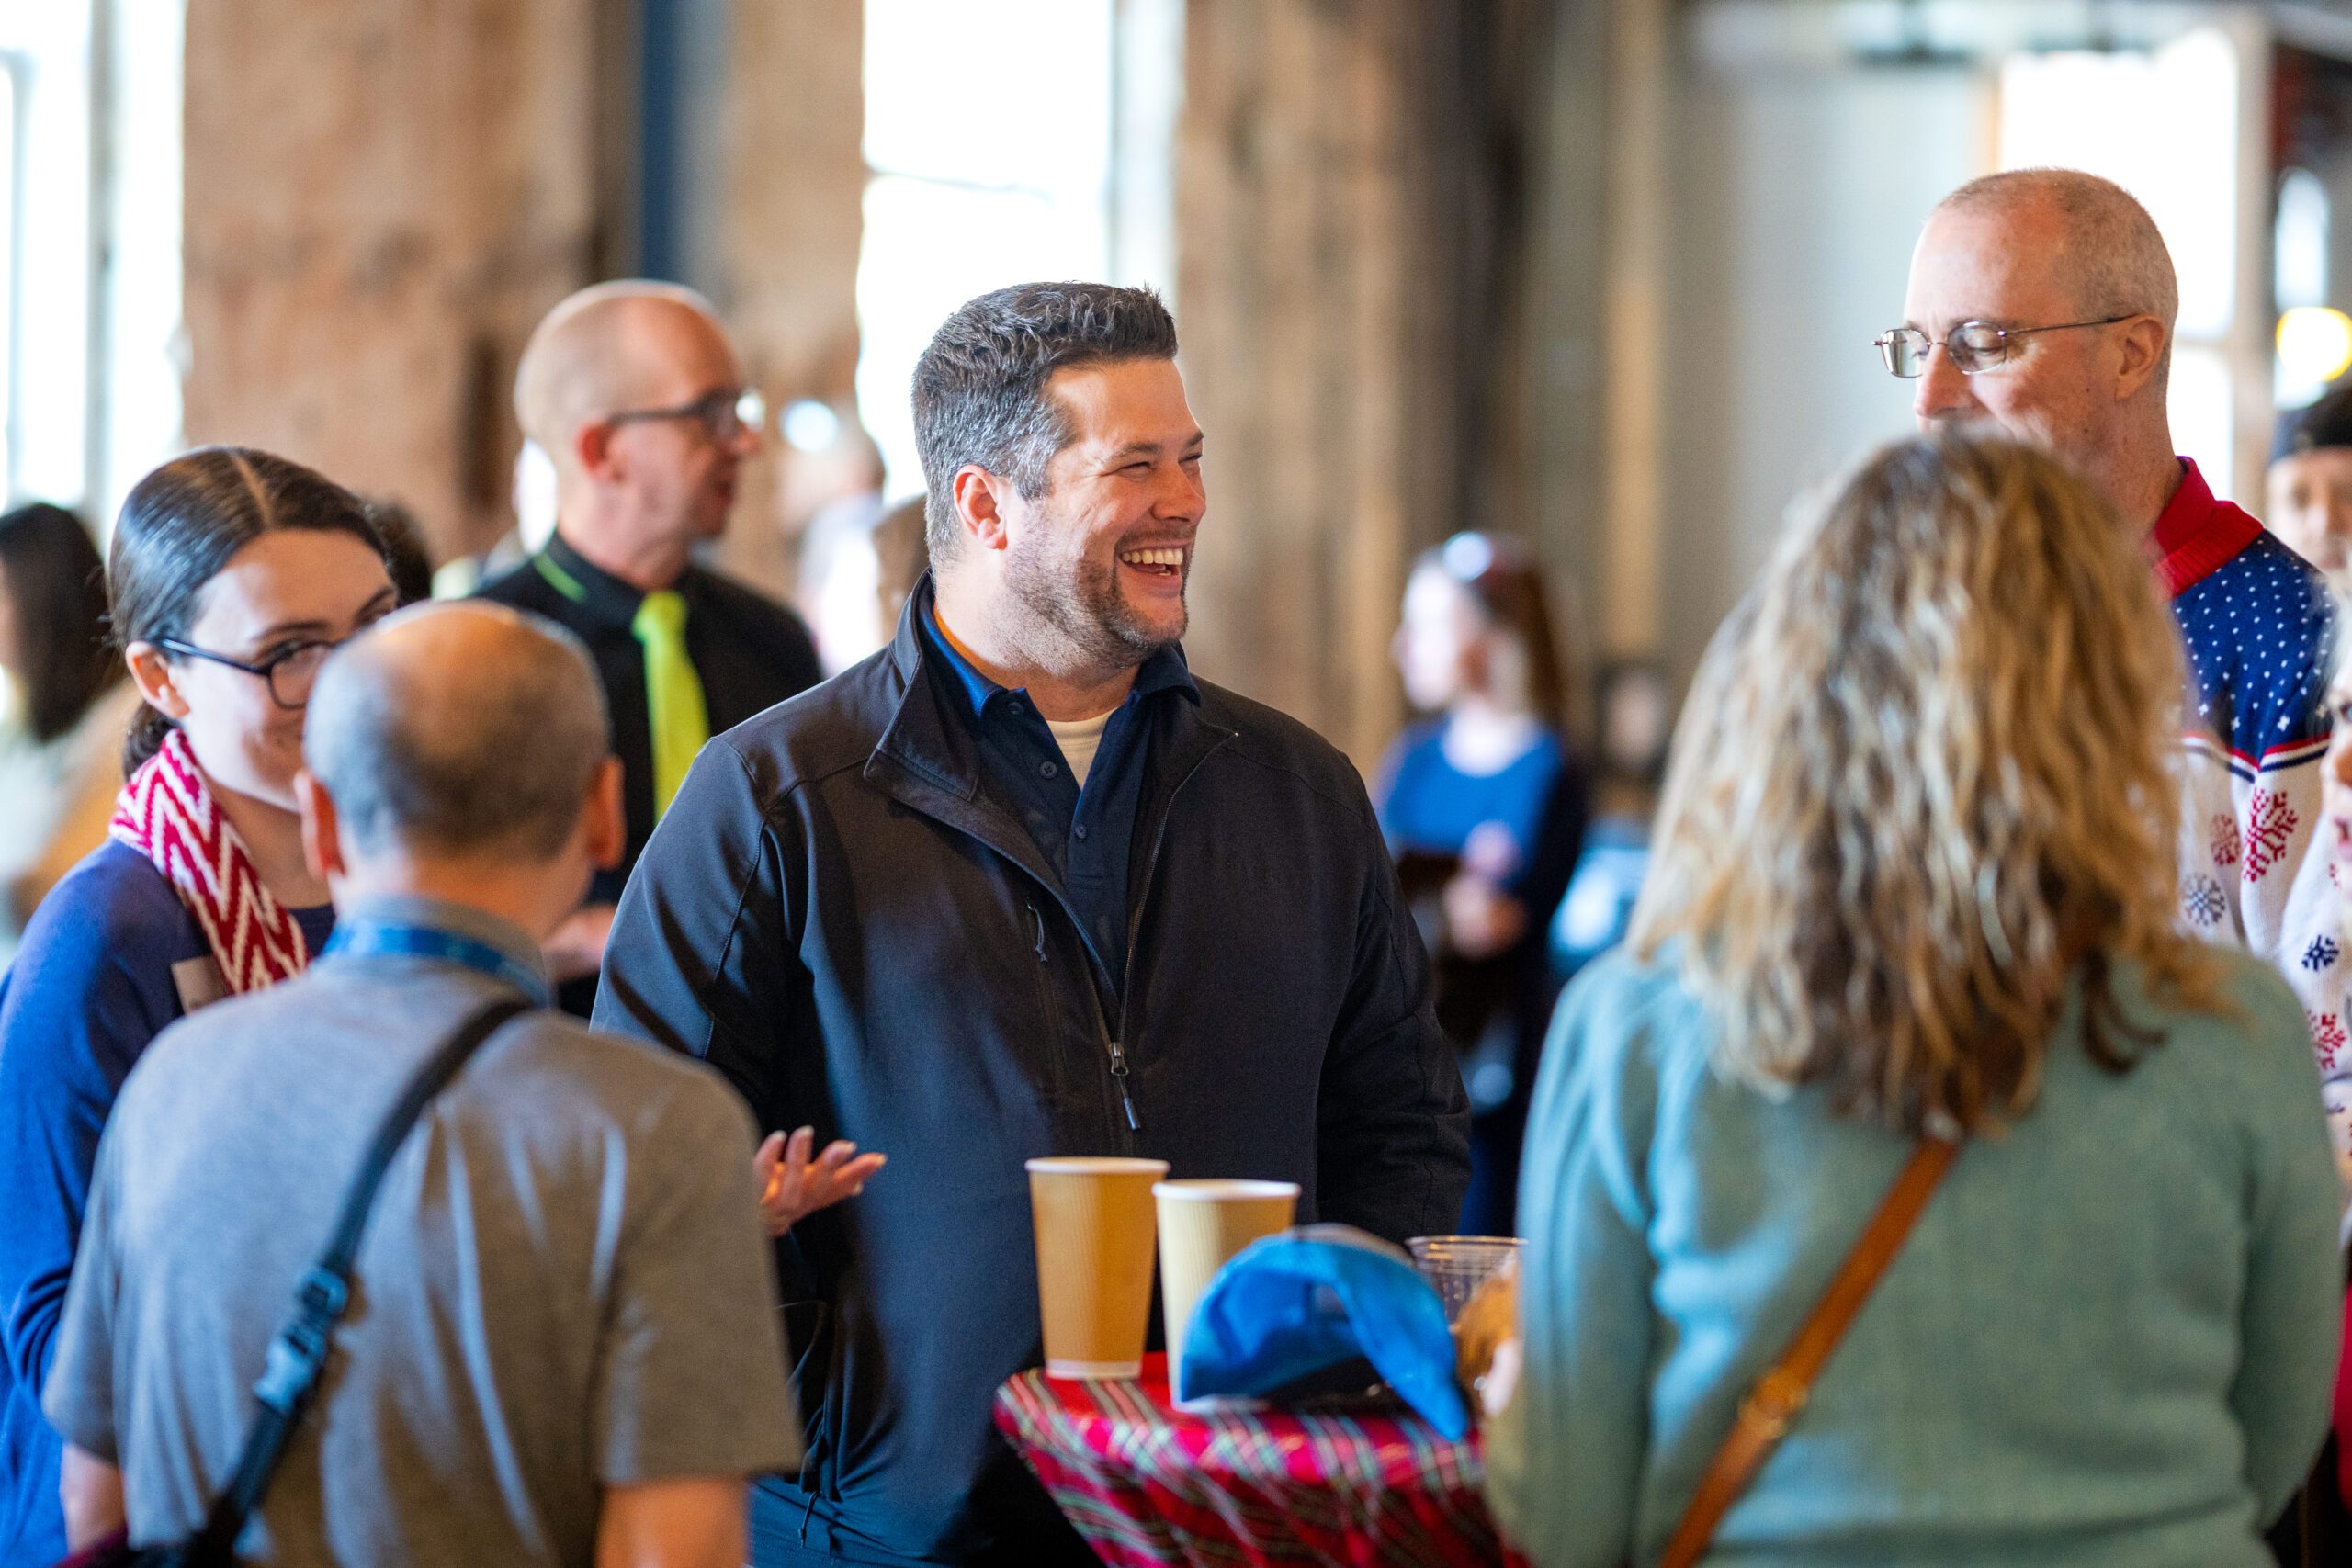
(2041, 305)
(566, 1354)
(231, 575)
(634, 392)
(66, 708)
(1635, 704)
(830, 497)
(406, 554)
(2309, 485)
(1914, 879)
(1483, 806)
(531, 493)
(871, 575)
(902, 557)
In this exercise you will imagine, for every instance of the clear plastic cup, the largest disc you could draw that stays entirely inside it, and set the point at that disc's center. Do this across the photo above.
(1455, 1265)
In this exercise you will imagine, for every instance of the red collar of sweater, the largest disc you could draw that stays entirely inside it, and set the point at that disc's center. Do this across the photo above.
(2195, 534)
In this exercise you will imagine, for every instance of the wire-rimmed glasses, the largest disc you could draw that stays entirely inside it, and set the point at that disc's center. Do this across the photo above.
(1974, 346)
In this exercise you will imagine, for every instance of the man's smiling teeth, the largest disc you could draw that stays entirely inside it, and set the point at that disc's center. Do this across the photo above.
(1153, 558)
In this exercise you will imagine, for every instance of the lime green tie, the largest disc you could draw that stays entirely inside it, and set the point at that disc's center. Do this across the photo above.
(673, 693)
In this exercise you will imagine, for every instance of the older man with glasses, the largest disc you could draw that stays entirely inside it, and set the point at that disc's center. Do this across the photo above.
(635, 393)
(2041, 308)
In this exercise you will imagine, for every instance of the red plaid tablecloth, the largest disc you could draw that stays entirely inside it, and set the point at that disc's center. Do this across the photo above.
(1153, 1487)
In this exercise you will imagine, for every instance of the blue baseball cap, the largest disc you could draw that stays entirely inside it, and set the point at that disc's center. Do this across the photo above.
(1301, 1303)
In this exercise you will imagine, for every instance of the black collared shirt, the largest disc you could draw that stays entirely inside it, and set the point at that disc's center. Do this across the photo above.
(750, 651)
(1086, 834)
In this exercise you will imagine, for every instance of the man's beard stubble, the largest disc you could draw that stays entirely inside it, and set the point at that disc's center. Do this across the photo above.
(1087, 613)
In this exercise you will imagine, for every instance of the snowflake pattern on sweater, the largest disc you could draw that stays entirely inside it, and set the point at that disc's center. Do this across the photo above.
(2259, 627)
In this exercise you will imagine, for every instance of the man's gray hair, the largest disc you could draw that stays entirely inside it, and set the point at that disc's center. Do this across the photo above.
(979, 387)
(459, 730)
(2114, 257)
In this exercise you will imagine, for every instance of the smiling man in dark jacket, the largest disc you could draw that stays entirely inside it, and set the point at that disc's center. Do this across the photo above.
(1020, 885)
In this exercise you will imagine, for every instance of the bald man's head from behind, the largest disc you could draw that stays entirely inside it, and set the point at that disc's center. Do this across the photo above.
(631, 389)
(462, 751)
(2074, 290)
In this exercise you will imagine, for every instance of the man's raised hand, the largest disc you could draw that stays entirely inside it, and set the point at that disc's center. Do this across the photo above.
(793, 1186)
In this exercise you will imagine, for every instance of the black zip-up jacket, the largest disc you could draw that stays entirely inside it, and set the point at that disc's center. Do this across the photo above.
(836, 914)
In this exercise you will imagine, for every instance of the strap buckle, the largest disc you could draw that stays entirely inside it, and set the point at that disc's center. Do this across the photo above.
(321, 1295)
(292, 1369)
(1775, 1400)
(300, 1347)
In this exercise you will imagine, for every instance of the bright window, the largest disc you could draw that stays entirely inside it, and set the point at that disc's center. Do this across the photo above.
(2164, 125)
(2298, 250)
(89, 247)
(992, 149)
(11, 71)
(143, 357)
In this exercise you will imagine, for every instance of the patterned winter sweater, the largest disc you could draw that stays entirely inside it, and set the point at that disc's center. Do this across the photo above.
(2259, 625)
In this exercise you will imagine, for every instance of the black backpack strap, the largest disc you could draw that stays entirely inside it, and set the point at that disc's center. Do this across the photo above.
(299, 1354)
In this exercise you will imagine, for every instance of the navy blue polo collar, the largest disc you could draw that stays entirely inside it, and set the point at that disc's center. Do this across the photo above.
(1165, 671)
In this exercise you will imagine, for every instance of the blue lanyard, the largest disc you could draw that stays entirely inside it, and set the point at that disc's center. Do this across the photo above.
(386, 939)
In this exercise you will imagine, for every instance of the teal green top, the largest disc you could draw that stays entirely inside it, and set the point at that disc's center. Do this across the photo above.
(2110, 1338)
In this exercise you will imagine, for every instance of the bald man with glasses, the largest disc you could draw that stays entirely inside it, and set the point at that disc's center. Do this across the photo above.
(2041, 309)
(635, 393)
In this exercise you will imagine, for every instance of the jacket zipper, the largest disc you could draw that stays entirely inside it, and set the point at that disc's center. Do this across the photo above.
(1120, 1073)
(1111, 1048)
(1128, 960)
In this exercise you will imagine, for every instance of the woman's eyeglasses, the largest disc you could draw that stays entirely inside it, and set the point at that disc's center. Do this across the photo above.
(1973, 345)
(291, 672)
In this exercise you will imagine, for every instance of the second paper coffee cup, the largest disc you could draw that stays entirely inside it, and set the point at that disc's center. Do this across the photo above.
(1203, 1222)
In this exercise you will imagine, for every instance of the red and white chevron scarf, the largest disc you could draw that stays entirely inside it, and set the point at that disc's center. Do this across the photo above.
(167, 812)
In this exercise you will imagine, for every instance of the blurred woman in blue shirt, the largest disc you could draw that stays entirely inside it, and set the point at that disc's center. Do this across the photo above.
(1483, 806)
(1914, 873)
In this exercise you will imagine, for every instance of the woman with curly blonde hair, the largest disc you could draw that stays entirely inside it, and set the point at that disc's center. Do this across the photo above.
(1915, 878)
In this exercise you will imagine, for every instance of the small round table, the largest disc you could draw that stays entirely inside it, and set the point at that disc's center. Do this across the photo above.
(1150, 1487)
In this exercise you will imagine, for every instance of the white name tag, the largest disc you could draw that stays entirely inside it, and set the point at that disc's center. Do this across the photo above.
(198, 982)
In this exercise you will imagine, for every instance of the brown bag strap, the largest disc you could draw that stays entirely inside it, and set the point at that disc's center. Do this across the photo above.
(1780, 1394)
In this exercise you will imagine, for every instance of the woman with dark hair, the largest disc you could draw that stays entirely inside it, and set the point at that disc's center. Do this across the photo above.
(233, 574)
(1483, 806)
(61, 732)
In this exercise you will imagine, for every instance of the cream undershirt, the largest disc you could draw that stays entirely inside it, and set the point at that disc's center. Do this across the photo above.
(1080, 740)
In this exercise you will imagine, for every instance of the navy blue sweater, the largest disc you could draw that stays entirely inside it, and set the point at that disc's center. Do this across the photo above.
(90, 987)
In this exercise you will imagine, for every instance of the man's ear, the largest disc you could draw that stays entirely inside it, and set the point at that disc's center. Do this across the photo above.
(978, 496)
(152, 673)
(606, 824)
(2144, 339)
(591, 447)
(321, 828)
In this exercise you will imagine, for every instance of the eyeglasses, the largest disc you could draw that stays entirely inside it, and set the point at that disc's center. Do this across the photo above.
(1972, 345)
(291, 672)
(725, 416)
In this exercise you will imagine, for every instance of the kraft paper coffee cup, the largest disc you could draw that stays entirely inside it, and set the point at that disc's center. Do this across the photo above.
(1202, 1224)
(1095, 1230)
